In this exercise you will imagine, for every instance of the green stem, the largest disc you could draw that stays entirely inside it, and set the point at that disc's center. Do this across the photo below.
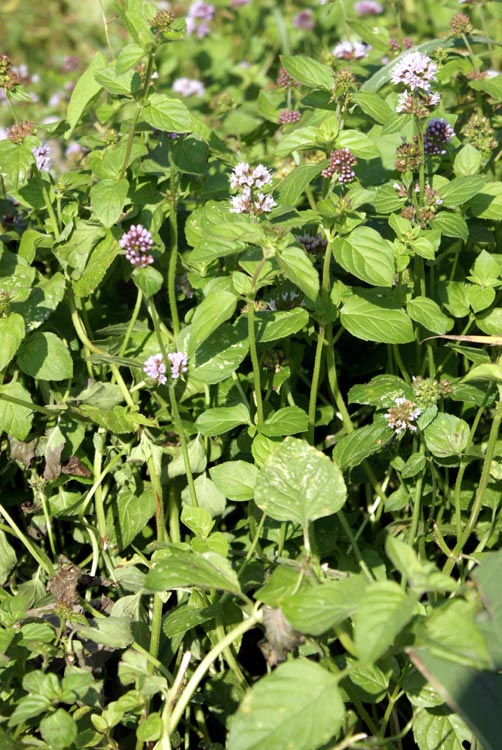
(159, 501)
(173, 258)
(48, 205)
(132, 323)
(184, 446)
(256, 367)
(156, 629)
(417, 506)
(478, 501)
(98, 495)
(353, 543)
(139, 109)
(463, 466)
(38, 554)
(315, 384)
(206, 663)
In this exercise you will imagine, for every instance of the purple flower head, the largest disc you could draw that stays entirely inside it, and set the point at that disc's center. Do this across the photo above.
(437, 134)
(341, 161)
(43, 156)
(188, 87)
(238, 3)
(351, 50)
(288, 116)
(401, 416)
(415, 71)
(368, 8)
(304, 20)
(248, 180)
(137, 243)
(179, 364)
(155, 368)
(199, 16)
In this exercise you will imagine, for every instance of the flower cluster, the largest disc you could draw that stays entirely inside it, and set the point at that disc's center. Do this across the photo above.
(17, 133)
(480, 133)
(199, 16)
(155, 368)
(414, 103)
(313, 244)
(162, 22)
(43, 156)
(188, 87)
(288, 116)
(415, 71)
(429, 391)
(137, 243)
(368, 8)
(437, 134)
(284, 80)
(401, 416)
(460, 24)
(9, 78)
(341, 162)
(304, 20)
(249, 181)
(351, 50)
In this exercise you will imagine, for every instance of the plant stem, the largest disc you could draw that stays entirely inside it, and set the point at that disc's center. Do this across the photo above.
(256, 366)
(34, 551)
(315, 384)
(173, 258)
(478, 501)
(132, 323)
(206, 662)
(184, 446)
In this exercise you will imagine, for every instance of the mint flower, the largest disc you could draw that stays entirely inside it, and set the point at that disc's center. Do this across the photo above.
(437, 134)
(155, 368)
(351, 50)
(248, 201)
(43, 156)
(188, 87)
(401, 416)
(179, 364)
(368, 8)
(415, 71)
(137, 243)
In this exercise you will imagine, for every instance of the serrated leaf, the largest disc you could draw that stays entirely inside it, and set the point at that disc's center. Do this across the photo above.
(298, 707)
(86, 89)
(167, 114)
(287, 421)
(299, 269)
(45, 356)
(440, 728)
(184, 569)
(460, 190)
(366, 255)
(221, 419)
(383, 612)
(487, 203)
(374, 106)
(107, 200)
(447, 435)
(316, 610)
(214, 310)
(374, 317)
(451, 225)
(59, 729)
(428, 313)
(236, 479)
(361, 443)
(308, 71)
(358, 143)
(111, 631)
(299, 483)
(292, 187)
(129, 513)
(11, 335)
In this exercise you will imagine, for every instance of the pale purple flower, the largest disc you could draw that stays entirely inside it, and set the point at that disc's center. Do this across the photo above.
(238, 3)
(408, 103)
(74, 149)
(304, 20)
(437, 134)
(401, 416)
(179, 364)
(155, 368)
(242, 203)
(264, 203)
(415, 71)
(43, 156)
(242, 175)
(248, 181)
(199, 16)
(137, 243)
(351, 50)
(491, 73)
(188, 87)
(368, 8)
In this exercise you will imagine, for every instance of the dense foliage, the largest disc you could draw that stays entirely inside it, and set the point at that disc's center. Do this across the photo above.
(250, 390)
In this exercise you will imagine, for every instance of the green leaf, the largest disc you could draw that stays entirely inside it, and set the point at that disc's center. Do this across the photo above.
(8, 558)
(11, 335)
(214, 310)
(376, 317)
(468, 161)
(272, 326)
(298, 707)
(184, 569)
(184, 618)
(299, 269)
(489, 621)
(236, 479)
(460, 190)
(366, 255)
(196, 456)
(487, 203)
(190, 155)
(99, 261)
(43, 300)
(125, 84)
(108, 199)
(422, 575)
(428, 313)
(59, 729)
(301, 138)
(439, 727)
(299, 483)
(292, 187)
(45, 356)
(128, 57)
(451, 225)
(287, 421)
(148, 280)
(209, 497)
(15, 161)
(383, 612)
(374, 106)
(308, 71)
(316, 610)
(129, 513)
(221, 419)
(111, 631)
(361, 443)
(150, 728)
(164, 113)
(220, 355)
(198, 520)
(446, 435)
(358, 143)
(15, 418)
(86, 89)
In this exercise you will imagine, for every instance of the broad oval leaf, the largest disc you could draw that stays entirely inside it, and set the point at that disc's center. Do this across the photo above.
(107, 200)
(308, 71)
(183, 569)
(372, 319)
(299, 483)
(298, 707)
(11, 335)
(447, 435)
(167, 114)
(221, 419)
(45, 356)
(366, 255)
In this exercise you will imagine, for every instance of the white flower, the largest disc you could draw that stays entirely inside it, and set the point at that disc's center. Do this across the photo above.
(351, 50)
(415, 71)
(188, 87)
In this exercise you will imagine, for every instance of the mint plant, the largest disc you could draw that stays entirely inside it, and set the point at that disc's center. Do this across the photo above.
(250, 394)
